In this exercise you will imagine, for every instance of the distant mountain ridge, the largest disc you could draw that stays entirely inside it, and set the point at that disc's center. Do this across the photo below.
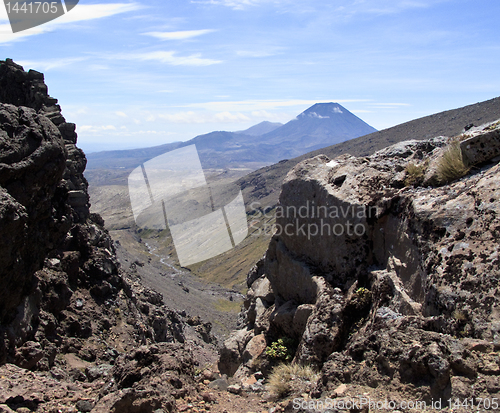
(261, 128)
(323, 124)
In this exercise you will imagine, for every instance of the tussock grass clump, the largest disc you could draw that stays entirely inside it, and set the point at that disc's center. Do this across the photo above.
(291, 378)
(460, 315)
(493, 126)
(452, 164)
(415, 173)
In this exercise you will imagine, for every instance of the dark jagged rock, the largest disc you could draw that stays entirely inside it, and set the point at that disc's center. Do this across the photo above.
(68, 313)
(27, 89)
(33, 212)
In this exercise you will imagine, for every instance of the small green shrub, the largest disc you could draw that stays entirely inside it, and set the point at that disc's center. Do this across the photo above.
(415, 173)
(286, 378)
(364, 295)
(452, 164)
(281, 349)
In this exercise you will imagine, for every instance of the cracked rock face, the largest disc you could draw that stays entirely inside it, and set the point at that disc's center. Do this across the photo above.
(76, 332)
(32, 162)
(397, 280)
(27, 89)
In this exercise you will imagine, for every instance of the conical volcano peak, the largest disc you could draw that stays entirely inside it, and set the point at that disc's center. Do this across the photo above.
(324, 110)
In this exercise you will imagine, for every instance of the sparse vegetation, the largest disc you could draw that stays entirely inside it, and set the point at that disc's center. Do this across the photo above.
(452, 164)
(467, 331)
(460, 315)
(464, 327)
(152, 233)
(493, 126)
(230, 268)
(281, 349)
(415, 173)
(364, 295)
(200, 369)
(287, 378)
(228, 306)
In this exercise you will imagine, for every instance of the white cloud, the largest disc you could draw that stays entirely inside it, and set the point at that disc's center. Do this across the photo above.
(3, 14)
(381, 7)
(121, 114)
(251, 105)
(84, 128)
(72, 111)
(44, 65)
(192, 117)
(81, 111)
(341, 6)
(95, 129)
(256, 53)
(231, 117)
(234, 4)
(388, 105)
(273, 117)
(82, 12)
(6, 35)
(168, 57)
(179, 35)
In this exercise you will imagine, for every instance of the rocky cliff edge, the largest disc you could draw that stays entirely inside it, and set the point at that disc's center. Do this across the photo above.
(77, 334)
(383, 275)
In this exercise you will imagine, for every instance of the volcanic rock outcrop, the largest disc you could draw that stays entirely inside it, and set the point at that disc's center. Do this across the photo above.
(76, 332)
(381, 282)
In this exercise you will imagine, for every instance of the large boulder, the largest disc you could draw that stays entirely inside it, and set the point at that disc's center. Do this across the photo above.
(231, 352)
(481, 146)
(383, 281)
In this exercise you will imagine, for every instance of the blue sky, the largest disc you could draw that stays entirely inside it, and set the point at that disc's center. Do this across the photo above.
(144, 73)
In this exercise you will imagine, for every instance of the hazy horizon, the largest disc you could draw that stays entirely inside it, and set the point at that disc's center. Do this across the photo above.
(139, 74)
